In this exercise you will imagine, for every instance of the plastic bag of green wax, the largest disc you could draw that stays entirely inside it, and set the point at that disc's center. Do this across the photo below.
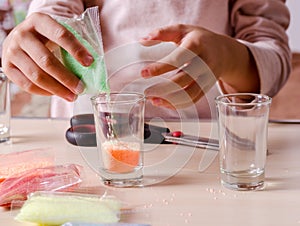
(86, 28)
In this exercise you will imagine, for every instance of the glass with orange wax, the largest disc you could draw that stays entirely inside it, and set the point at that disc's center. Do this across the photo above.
(119, 121)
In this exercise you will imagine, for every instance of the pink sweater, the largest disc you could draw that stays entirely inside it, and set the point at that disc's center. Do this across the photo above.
(259, 24)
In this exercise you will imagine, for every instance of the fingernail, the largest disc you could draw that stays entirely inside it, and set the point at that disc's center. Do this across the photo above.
(88, 60)
(71, 97)
(148, 37)
(146, 73)
(157, 101)
(79, 88)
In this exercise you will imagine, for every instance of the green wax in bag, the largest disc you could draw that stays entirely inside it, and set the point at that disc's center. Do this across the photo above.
(94, 76)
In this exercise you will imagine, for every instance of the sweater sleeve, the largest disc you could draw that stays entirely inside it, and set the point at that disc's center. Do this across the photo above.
(261, 25)
(64, 8)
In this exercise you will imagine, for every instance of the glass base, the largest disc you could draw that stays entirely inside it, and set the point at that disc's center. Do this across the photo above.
(122, 180)
(4, 139)
(124, 183)
(243, 180)
(244, 186)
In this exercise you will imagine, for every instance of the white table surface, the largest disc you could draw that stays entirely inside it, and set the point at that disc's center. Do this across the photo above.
(190, 197)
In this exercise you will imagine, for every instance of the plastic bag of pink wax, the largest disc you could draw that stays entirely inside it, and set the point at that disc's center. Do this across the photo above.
(17, 162)
(51, 178)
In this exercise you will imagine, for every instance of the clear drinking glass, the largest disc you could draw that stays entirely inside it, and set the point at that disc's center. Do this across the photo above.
(243, 125)
(119, 121)
(5, 113)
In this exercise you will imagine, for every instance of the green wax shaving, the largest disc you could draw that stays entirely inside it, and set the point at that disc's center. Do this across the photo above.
(94, 76)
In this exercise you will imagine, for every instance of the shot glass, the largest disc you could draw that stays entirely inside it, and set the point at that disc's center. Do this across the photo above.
(119, 121)
(5, 113)
(243, 129)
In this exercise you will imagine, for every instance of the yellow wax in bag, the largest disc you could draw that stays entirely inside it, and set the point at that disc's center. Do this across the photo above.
(59, 208)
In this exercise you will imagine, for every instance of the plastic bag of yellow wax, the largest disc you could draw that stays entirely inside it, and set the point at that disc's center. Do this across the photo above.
(86, 28)
(55, 208)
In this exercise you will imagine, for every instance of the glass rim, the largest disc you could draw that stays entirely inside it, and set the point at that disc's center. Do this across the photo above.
(264, 99)
(136, 97)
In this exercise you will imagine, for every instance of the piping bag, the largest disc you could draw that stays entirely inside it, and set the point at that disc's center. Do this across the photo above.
(86, 28)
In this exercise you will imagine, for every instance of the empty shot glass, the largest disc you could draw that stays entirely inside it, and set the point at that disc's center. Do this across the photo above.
(5, 113)
(243, 125)
(119, 121)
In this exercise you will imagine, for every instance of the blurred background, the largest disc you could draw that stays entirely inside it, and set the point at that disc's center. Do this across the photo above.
(285, 103)
(13, 12)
